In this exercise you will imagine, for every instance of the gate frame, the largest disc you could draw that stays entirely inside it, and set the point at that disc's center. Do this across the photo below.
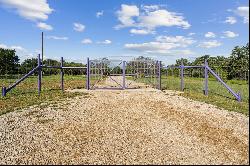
(123, 87)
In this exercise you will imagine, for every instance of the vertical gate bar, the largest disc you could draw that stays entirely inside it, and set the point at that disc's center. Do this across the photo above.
(62, 74)
(124, 74)
(88, 75)
(159, 75)
(206, 78)
(156, 74)
(39, 74)
(182, 76)
(3, 91)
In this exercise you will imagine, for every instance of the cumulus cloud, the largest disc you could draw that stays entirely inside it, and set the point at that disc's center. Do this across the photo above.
(44, 26)
(162, 18)
(126, 14)
(150, 17)
(78, 27)
(231, 20)
(210, 35)
(57, 38)
(210, 44)
(99, 14)
(191, 34)
(86, 41)
(180, 40)
(162, 45)
(105, 42)
(3, 46)
(149, 8)
(229, 34)
(29, 9)
(141, 31)
(17, 48)
(243, 11)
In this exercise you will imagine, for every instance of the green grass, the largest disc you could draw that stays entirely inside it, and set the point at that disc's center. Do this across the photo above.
(26, 93)
(217, 94)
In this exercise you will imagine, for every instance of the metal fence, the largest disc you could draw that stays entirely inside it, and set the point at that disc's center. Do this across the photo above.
(53, 75)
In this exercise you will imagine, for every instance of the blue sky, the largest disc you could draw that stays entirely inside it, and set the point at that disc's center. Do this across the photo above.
(162, 29)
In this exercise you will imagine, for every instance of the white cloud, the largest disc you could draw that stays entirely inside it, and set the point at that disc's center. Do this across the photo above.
(17, 48)
(141, 31)
(57, 38)
(210, 35)
(180, 40)
(105, 42)
(3, 46)
(231, 20)
(149, 8)
(243, 11)
(29, 9)
(78, 27)
(163, 45)
(210, 44)
(229, 34)
(151, 47)
(162, 18)
(99, 14)
(86, 41)
(191, 34)
(151, 18)
(126, 14)
(44, 26)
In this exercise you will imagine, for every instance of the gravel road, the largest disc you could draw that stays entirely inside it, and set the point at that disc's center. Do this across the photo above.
(140, 126)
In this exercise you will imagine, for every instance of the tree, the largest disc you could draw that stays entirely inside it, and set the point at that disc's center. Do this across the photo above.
(28, 64)
(238, 62)
(9, 61)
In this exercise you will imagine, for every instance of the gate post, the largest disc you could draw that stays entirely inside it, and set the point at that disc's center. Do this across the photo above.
(39, 74)
(206, 78)
(159, 75)
(62, 74)
(3, 91)
(182, 76)
(88, 75)
(123, 74)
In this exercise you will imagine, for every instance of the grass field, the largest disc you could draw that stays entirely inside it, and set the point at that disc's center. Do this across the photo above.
(217, 95)
(26, 94)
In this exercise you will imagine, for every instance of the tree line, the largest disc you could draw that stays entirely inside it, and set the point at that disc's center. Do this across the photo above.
(236, 66)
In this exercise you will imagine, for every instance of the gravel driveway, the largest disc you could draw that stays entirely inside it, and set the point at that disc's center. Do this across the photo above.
(141, 126)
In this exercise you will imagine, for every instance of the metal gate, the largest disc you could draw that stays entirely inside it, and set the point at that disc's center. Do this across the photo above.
(118, 74)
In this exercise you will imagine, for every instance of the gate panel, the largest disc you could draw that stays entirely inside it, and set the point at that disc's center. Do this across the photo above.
(106, 74)
(141, 71)
(118, 74)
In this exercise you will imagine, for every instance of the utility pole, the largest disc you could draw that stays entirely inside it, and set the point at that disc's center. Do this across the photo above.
(42, 56)
(42, 47)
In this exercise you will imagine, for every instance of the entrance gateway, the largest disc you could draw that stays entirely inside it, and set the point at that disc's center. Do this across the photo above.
(118, 74)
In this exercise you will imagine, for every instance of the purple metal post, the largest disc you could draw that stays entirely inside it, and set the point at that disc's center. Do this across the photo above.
(88, 75)
(124, 74)
(39, 74)
(206, 78)
(237, 96)
(3, 91)
(182, 76)
(159, 75)
(62, 74)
